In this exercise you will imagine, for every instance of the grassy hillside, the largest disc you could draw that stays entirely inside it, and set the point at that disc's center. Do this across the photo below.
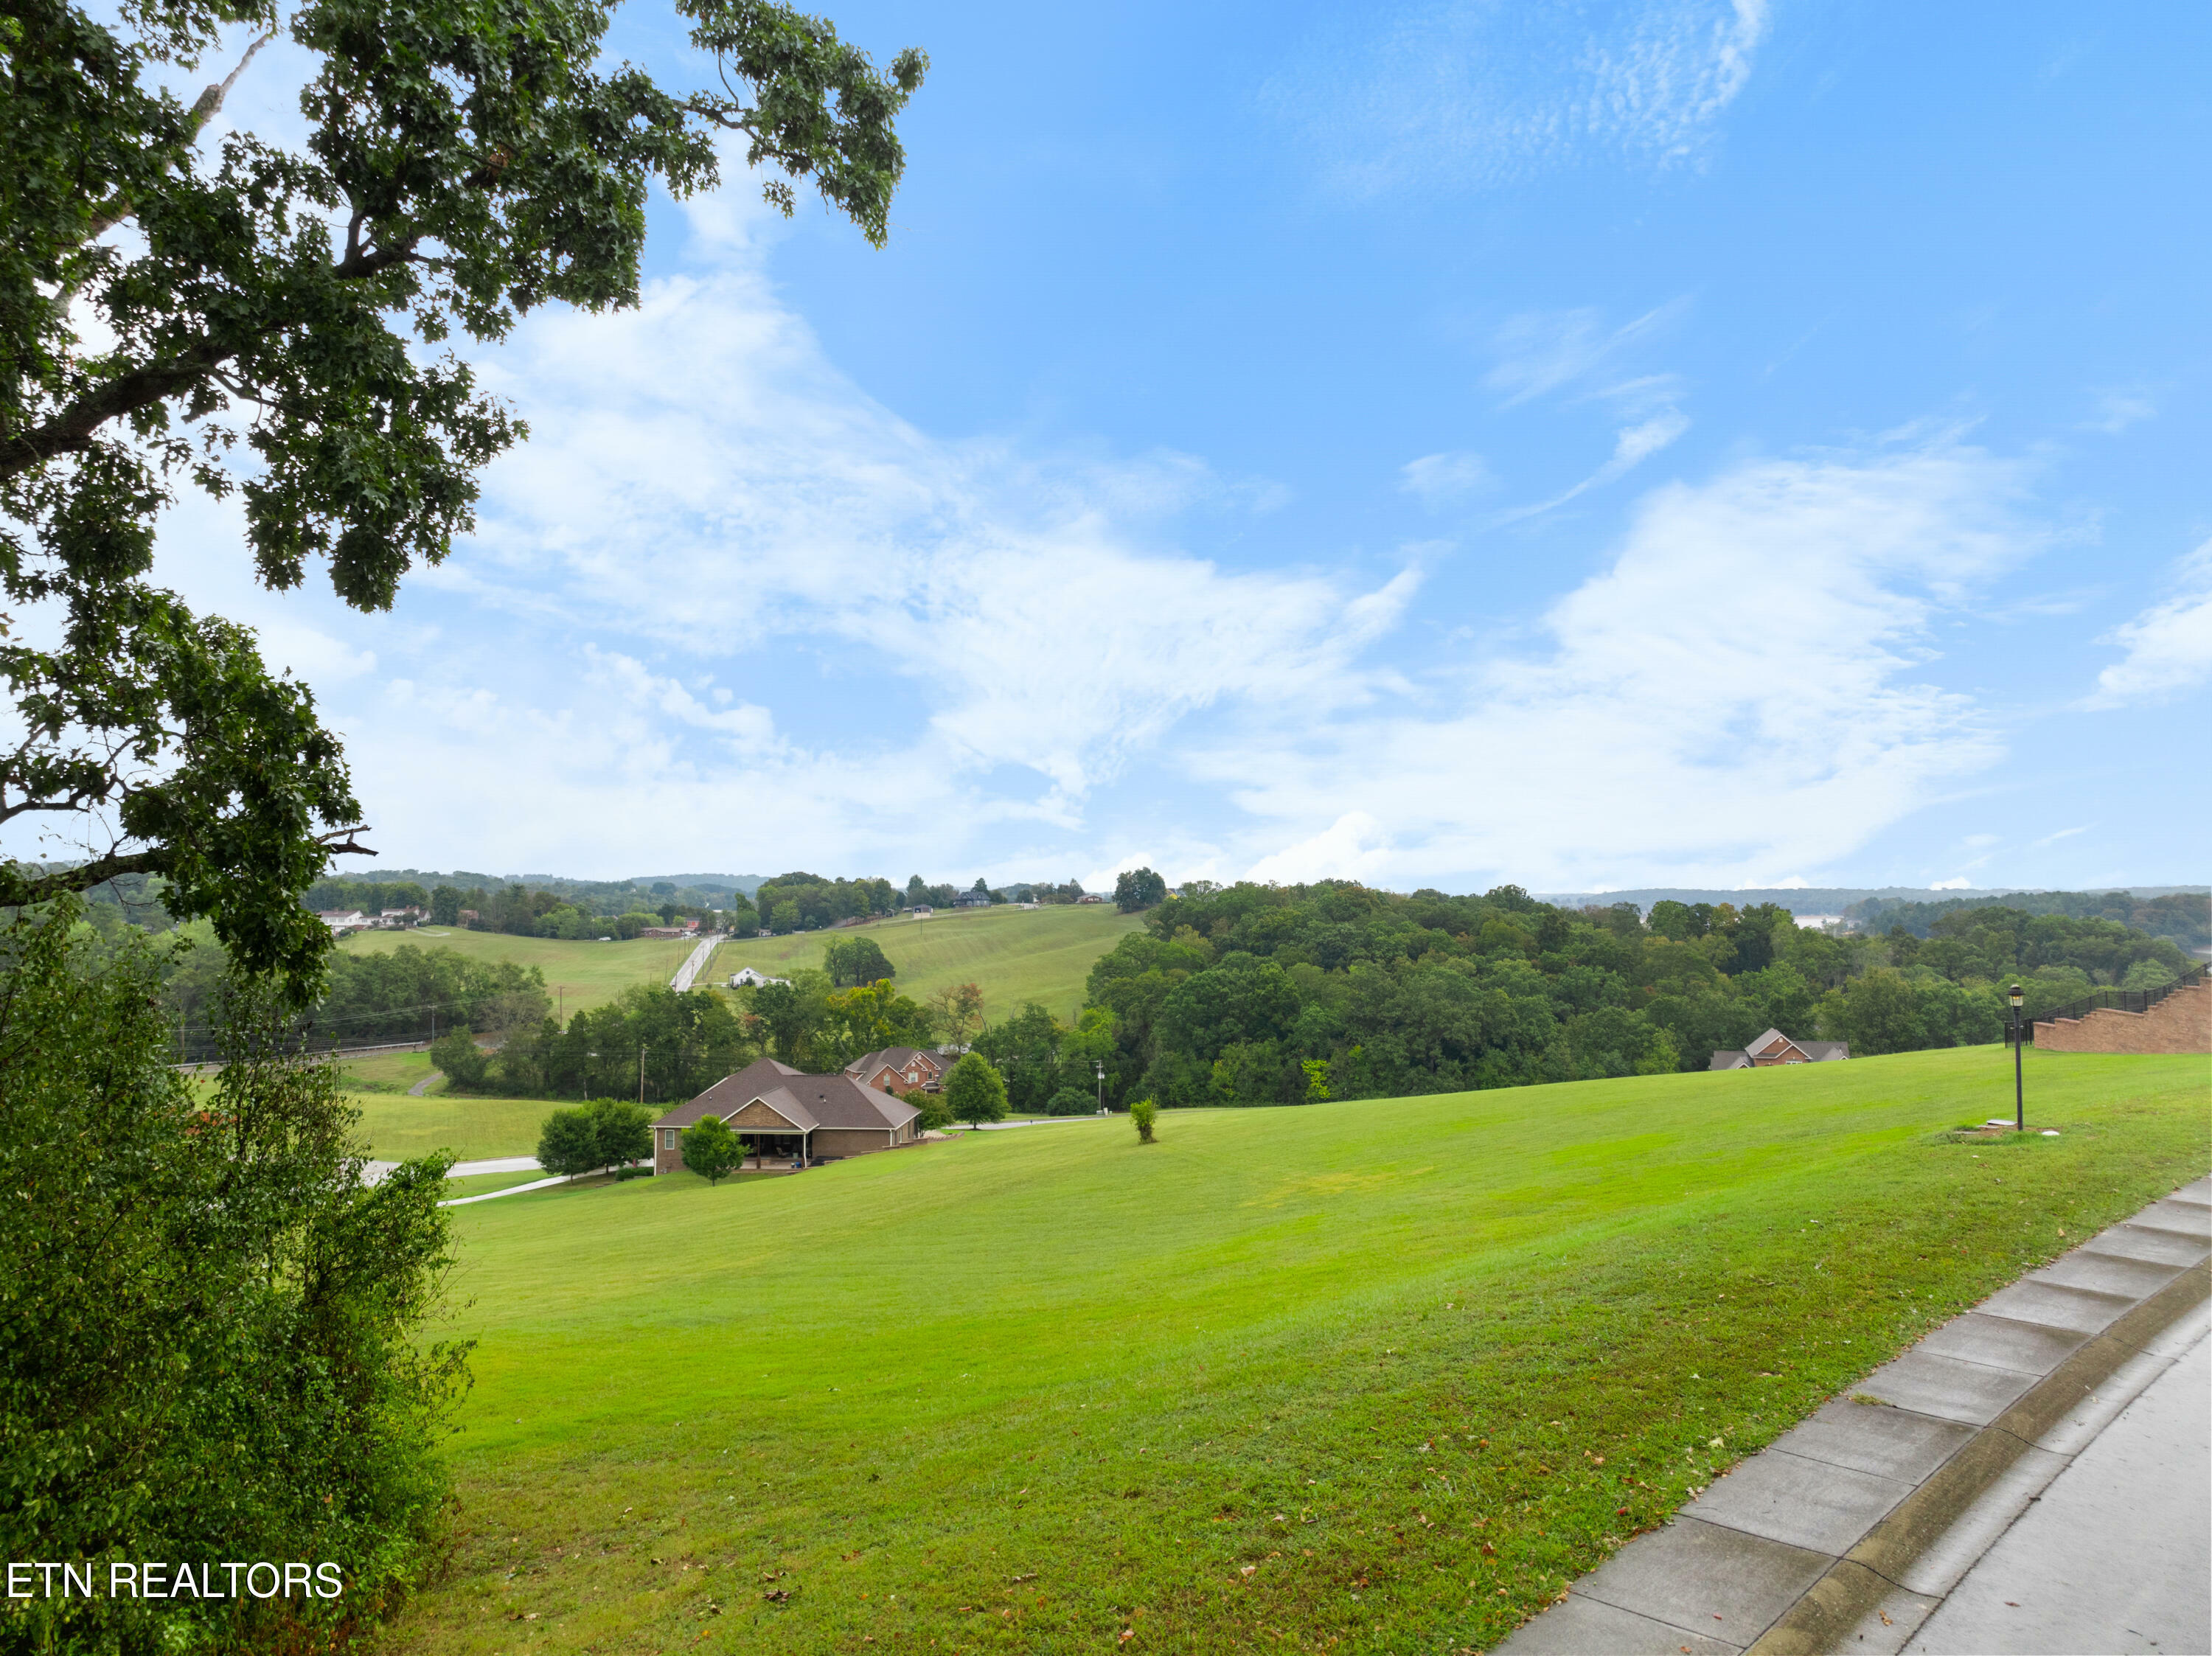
(1374, 1376)
(578, 975)
(1042, 955)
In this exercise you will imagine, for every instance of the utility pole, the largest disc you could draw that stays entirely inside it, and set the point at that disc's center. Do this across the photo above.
(640, 1075)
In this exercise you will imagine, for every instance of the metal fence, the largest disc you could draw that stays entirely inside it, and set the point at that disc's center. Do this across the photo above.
(2119, 1000)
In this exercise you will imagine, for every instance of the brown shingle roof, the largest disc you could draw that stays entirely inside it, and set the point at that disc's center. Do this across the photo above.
(804, 1100)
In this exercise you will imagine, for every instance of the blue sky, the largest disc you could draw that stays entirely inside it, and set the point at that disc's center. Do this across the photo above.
(1585, 445)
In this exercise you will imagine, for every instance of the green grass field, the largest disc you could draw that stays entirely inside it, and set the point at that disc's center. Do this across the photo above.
(578, 975)
(396, 1127)
(387, 1072)
(1042, 955)
(1357, 1377)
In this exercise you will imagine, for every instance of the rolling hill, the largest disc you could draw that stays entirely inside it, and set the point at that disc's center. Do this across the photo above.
(1016, 955)
(1356, 1377)
(578, 975)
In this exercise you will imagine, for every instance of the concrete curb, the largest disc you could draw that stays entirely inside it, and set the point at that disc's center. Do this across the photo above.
(1848, 1530)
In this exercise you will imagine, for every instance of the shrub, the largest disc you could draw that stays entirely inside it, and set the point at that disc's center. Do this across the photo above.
(711, 1149)
(975, 1091)
(936, 1113)
(1143, 1112)
(1071, 1100)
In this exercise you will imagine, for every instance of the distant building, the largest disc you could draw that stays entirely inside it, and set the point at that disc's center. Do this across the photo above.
(342, 920)
(1089, 897)
(972, 899)
(902, 1069)
(399, 919)
(747, 978)
(921, 911)
(1775, 1048)
(663, 931)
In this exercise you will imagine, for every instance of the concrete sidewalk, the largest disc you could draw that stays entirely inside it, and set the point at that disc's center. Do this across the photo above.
(1854, 1531)
(2116, 1556)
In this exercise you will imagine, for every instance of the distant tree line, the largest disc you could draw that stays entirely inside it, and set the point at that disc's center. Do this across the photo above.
(2181, 917)
(1266, 994)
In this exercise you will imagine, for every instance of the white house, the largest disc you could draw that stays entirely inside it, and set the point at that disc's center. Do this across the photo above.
(748, 978)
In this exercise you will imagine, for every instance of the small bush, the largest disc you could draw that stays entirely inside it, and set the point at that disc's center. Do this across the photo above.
(1145, 1113)
(1071, 1100)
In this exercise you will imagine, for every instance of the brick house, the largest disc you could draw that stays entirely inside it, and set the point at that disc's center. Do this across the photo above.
(781, 1113)
(1774, 1048)
(901, 1069)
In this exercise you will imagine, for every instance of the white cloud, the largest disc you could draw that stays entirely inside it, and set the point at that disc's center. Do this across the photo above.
(1354, 847)
(1436, 478)
(2169, 645)
(1478, 94)
(1740, 690)
(2118, 410)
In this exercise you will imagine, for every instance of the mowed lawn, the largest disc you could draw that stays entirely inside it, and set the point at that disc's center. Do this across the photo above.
(578, 975)
(395, 1127)
(1377, 1376)
(1016, 955)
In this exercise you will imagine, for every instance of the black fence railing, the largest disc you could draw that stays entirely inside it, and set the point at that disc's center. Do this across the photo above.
(2119, 1000)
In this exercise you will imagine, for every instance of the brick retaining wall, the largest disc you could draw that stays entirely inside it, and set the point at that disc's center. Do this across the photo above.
(2182, 1022)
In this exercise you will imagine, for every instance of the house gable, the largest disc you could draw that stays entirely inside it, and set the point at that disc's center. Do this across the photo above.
(756, 1116)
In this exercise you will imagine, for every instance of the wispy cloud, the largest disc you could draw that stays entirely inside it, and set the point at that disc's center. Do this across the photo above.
(1471, 93)
(1439, 478)
(1571, 354)
(2169, 645)
(1740, 692)
(2118, 410)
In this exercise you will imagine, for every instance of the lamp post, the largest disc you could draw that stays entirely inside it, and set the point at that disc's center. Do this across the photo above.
(1101, 1068)
(2016, 995)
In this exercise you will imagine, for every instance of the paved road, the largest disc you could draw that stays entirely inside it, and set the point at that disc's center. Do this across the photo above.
(2116, 1554)
(422, 1085)
(694, 962)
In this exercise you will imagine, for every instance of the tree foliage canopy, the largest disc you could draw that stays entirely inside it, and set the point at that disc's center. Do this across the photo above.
(214, 1344)
(274, 326)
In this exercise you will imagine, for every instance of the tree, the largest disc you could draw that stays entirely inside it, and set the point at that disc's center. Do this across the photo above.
(852, 960)
(711, 1149)
(624, 1130)
(221, 1340)
(1138, 887)
(1146, 1115)
(568, 1145)
(974, 1092)
(957, 1011)
(270, 328)
(456, 1055)
(445, 907)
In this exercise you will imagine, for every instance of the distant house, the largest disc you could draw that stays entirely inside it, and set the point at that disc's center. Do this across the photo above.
(747, 978)
(972, 899)
(663, 931)
(1774, 1048)
(921, 911)
(782, 1114)
(901, 1069)
(399, 919)
(1089, 897)
(342, 920)
(469, 917)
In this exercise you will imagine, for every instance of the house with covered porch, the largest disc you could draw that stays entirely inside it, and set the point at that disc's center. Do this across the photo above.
(783, 1114)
